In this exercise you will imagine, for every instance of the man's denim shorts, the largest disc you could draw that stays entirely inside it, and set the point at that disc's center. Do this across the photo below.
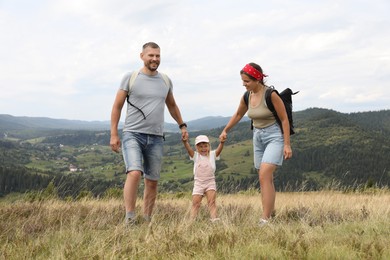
(268, 145)
(143, 152)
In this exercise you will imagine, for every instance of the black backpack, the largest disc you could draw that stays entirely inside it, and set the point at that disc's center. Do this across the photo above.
(285, 95)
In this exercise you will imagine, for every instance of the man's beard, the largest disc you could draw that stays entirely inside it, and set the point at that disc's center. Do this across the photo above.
(149, 66)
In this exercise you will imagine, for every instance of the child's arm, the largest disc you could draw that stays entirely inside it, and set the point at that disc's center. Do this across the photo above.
(188, 147)
(219, 149)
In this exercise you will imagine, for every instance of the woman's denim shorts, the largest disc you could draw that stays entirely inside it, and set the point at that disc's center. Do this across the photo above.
(268, 145)
(143, 152)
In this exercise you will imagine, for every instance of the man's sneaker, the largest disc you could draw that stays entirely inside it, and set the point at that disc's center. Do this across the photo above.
(130, 221)
(213, 220)
(147, 219)
(263, 222)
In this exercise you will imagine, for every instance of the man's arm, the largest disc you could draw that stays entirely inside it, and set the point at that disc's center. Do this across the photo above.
(175, 113)
(115, 117)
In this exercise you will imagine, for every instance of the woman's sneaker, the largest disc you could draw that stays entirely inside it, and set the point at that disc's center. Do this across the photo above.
(263, 222)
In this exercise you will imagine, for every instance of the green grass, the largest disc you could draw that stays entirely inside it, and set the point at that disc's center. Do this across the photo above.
(101, 161)
(35, 140)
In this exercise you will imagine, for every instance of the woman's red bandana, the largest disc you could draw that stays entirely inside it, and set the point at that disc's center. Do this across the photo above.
(253, 72)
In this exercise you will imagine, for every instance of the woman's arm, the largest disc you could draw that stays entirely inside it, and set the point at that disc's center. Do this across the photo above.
(241, 110)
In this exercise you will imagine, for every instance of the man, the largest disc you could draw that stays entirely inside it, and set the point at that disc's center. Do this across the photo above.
(143, 130)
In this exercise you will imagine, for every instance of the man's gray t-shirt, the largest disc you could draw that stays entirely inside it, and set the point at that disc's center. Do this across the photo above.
(148, 93)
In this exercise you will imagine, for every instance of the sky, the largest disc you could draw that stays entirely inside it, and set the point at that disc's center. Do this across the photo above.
(65, 59)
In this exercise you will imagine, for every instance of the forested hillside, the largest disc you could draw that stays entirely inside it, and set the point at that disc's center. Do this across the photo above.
(329, 149)
(348, 148)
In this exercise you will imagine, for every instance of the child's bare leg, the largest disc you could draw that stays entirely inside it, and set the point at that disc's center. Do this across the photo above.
(211, 197)
(196, 202)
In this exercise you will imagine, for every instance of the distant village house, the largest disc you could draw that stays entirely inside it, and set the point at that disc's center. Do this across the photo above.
(73, 168)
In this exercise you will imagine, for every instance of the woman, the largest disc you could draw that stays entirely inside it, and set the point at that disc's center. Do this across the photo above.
(270, 143)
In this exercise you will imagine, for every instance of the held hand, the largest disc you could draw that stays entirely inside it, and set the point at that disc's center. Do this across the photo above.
(223, 137)
(184, 134)
(115, 143)
(287, 152)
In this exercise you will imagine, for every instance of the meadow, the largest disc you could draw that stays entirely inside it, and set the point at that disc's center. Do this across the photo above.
(307, 225)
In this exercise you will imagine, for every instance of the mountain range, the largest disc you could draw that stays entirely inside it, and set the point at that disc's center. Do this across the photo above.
(9, 122)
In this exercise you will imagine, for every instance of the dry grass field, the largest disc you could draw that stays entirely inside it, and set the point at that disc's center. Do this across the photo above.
(315, 225)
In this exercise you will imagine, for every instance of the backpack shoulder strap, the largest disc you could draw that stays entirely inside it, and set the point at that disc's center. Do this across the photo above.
(166, 79)
(132, 79)
(133, 76)
(268, 100)
(246, 100)
(246, 97)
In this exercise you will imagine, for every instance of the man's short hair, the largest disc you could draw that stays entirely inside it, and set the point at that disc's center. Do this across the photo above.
(151, 45)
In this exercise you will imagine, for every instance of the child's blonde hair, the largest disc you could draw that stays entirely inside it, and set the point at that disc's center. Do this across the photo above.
(202, 139)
